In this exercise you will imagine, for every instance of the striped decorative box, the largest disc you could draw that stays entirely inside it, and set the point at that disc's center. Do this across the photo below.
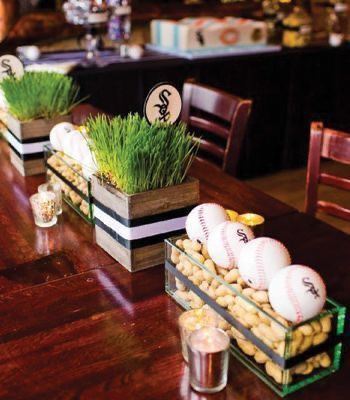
(27, 141)
(132, 228)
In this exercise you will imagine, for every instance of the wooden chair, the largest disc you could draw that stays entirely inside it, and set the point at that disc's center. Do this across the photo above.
(222, 117)
(333, 145)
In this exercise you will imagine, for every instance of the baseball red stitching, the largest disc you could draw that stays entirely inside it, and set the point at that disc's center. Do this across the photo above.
(259, 261)
(202, 222)
(292, 296)
(227, 248)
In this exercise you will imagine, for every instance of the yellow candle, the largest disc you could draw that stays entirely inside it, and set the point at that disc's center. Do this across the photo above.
(254, 221)
(250, 219)
(232, 215)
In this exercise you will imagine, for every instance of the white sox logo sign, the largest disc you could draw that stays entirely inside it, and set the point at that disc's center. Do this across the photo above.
(10, 67)
(163, 104)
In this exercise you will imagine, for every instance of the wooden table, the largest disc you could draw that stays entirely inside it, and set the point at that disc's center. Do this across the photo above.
(82, 327)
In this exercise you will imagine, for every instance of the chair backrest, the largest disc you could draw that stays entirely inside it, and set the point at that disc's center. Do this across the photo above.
(333, 145)
(223, 119)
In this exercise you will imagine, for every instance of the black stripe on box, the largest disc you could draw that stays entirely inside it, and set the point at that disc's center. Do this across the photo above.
(68, 183)
(282, 362)
(27, 157)
(149, 219)
(29, 140)
(136, 243)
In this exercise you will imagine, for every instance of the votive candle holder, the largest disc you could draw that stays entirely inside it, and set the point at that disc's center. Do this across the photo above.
(56, 188)
(208, 359)
(44, 209)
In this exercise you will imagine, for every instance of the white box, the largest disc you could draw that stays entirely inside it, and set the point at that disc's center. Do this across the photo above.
(207, 33)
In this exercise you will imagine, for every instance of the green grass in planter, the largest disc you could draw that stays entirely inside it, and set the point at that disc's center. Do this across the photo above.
(135, 156)
(40, 95)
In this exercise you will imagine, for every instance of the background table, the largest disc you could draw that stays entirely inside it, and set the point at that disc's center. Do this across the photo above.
(289, 89)
(82, 327)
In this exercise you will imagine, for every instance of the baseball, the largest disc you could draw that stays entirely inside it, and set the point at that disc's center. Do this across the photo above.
(58, 132)
(67, 143)
(203, 219)
(76, 141)
(89, 164)
(259, 261)
(226, 242)
(297, 293)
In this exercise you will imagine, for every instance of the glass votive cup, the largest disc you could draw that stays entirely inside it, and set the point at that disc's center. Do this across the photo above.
(56, 188)
(44, 209)
(208, 359)
(191, 320)
(254, 221)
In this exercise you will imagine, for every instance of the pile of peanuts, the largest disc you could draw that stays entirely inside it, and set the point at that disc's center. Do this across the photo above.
(267, 330)
(59, 162)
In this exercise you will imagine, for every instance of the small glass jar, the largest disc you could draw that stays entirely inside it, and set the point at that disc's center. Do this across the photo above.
(208, 353)
(191, 320)
(119, 24)
(56, 188)
(44, 209)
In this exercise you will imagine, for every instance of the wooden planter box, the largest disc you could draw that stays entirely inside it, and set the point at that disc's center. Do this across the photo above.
(132, 228)
(26, 141)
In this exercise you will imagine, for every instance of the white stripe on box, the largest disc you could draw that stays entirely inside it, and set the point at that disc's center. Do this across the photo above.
(25, 148)
(142, 231)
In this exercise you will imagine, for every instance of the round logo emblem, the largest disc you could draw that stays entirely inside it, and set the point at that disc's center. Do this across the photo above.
(10, 66)
(163, 104)
(229, 36)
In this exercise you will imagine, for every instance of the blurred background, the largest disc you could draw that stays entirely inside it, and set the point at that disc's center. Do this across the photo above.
(43, 22)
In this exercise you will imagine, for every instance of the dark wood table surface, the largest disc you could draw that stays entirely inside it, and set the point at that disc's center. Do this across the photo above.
(77, 325)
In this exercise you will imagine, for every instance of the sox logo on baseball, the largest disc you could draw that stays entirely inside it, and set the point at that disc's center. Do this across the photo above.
(226, 242)
(259, 261)
(297, 293)
(203, 219)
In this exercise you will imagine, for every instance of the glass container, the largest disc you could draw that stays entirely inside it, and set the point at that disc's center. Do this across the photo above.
(208, 352)
(286, 357)
(76, 187)
(44, 209)
(56, 188)
(93, 16)
(119, 24)
(192, 320)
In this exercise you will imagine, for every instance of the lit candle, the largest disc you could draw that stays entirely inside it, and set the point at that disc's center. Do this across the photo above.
(254, 221)
(54, 187)
(232, 215)
(44, 209)
(208, 353)
(191, 320)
